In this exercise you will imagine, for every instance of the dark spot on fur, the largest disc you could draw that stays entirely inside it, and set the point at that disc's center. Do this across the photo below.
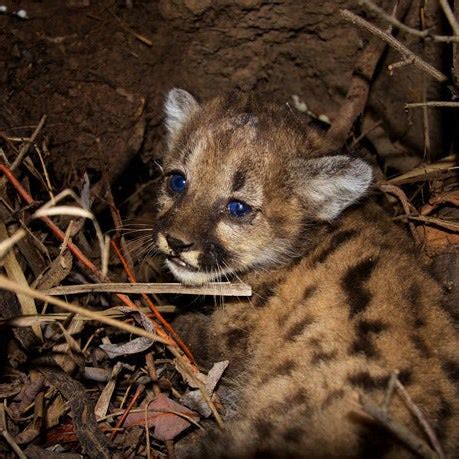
(451, 368)
(319, 357)
(299, 397)
(263, 294)
(414, 298)
(370, 326)
(364, 380)
(332, 397)
(236, 337)
(309, 292)
(353, 284)
(315, 342)
(285, 368)
(364, 344)
(293, 434)
(297, 329)
(443, 415)
(450, 307)
(421, 345)
(238, 180)
(263, 427)
(282, 318)
(337, 240)
(405, 376)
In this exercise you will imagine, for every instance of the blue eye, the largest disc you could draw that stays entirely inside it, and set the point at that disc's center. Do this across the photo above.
(177, 183)
(238, 208)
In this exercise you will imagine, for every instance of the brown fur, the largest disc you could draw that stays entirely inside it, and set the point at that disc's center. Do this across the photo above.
(338, 303)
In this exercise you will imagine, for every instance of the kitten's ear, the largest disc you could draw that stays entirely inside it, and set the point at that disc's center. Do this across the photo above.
(179, 107)
(330, 184)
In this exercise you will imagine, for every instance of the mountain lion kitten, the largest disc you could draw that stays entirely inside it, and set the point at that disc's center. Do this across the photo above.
(340, 298)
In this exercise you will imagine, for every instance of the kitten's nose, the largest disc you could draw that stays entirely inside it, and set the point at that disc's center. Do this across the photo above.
(178, 245)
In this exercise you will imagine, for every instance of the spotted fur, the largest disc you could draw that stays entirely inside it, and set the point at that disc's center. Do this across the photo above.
(340, 299)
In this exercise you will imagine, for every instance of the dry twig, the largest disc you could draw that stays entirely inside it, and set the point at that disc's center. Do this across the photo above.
(450, 16)
(394, 43)
(26, 145)
(213, 288)
(425, 34)
(407, 207)
(420, 416)
(398, 429)
(439, 104)
(14, 287)
(357, 95)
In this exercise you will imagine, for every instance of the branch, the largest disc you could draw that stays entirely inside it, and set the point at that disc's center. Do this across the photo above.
(213, 288)
(425, 34)
(397, 428)
(357, 95)
(394, 43)
(450, 16)
(433, 104)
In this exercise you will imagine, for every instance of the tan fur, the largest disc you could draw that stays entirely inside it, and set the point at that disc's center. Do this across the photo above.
(338, 305)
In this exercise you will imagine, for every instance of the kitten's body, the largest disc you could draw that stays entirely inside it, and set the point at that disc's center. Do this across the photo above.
(340, 300)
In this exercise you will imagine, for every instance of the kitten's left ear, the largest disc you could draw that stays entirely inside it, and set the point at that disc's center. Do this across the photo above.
(179, 107)
(330, 184)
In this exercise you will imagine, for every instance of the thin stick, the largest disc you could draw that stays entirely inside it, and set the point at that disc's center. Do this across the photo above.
(433, 104)
(203, 390)
(25, 147)
(45, 173)
(356, 97)
(14, 446)
(398, 429)
(450, 16)
(152, 307)
(398, 192)
(150, 361)
(420, 417)
(400, 25)
(14, 287)
(390, 389)
(141, 38)
(137, 394)
(213, 288)
(394, 43)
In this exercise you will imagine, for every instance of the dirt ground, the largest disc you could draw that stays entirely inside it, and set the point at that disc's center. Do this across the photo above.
(99, 72)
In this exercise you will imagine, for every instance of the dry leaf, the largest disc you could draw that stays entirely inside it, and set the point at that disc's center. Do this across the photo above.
(161, 415)
(438, 241)
(106, 395)
(136, 345)
(28, 393)
(448, 198)
(14, 272)
(55, 411)
(194, 398)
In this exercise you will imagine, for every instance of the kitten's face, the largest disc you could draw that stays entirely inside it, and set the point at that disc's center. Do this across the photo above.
(239, 190)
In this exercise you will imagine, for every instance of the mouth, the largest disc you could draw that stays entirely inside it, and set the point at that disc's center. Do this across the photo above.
(178, 262)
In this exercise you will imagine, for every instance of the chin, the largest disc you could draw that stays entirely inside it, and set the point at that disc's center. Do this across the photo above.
(188, 277)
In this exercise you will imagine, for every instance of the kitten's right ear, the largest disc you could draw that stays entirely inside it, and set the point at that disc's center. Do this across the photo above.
(180, 106)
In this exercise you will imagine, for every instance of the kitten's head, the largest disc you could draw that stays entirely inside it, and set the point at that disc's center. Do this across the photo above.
(244, 186)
